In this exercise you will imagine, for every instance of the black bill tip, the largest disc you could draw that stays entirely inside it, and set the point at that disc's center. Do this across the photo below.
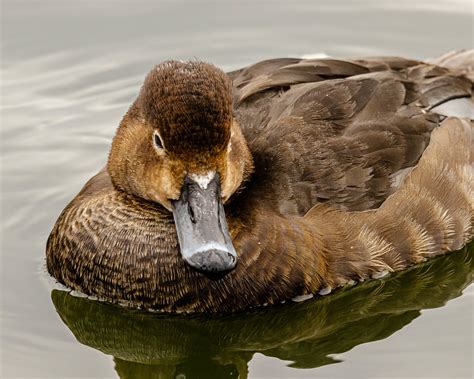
(212, 260)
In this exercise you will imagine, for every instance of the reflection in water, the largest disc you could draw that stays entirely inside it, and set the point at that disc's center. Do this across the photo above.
(147, 345)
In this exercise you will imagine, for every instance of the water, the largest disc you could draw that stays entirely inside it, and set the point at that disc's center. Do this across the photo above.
(69, 72)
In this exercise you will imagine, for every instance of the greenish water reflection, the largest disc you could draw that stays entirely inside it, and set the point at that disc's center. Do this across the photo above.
(146, 345)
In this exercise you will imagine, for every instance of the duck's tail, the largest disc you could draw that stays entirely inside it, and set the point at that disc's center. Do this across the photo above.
(431, 213)
(458, 60)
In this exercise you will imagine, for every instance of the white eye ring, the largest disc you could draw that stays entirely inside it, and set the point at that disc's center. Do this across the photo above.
(157, 141)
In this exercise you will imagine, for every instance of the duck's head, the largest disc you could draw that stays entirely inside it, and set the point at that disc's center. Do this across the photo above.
(180, 146)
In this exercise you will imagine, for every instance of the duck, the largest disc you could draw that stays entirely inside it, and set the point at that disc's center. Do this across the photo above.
(281, 181)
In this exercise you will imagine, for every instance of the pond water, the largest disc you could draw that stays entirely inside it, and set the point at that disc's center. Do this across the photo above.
(69, 72)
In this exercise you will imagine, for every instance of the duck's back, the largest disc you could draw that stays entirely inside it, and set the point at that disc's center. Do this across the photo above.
(344, 132)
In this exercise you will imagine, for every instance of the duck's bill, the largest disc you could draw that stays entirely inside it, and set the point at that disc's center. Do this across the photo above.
(201, 225)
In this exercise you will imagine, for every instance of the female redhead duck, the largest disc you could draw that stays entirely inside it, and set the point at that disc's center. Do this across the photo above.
(283, 180)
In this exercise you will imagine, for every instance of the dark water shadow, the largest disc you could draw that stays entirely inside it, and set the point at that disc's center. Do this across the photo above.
(146, 345)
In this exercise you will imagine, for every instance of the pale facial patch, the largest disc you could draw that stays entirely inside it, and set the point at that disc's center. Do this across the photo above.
(204, 179)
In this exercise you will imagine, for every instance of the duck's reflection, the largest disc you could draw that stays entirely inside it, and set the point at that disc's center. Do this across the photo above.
(147, 345)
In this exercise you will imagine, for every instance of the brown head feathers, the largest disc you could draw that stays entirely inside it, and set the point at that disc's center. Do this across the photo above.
(190, 104)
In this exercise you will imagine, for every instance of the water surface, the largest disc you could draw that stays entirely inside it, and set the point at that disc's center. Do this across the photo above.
(69, 72)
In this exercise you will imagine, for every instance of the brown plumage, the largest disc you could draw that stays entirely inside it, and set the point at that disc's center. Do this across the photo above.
(182, 112)
(332, 171)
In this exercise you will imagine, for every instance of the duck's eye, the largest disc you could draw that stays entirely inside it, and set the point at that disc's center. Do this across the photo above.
(157, 140)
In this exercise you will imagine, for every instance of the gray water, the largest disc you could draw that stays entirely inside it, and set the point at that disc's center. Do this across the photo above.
(69, 72)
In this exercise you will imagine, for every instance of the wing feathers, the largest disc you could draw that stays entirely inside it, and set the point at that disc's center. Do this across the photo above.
(340, 130)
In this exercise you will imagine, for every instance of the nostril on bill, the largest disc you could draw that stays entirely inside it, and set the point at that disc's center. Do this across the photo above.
(191, 214)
